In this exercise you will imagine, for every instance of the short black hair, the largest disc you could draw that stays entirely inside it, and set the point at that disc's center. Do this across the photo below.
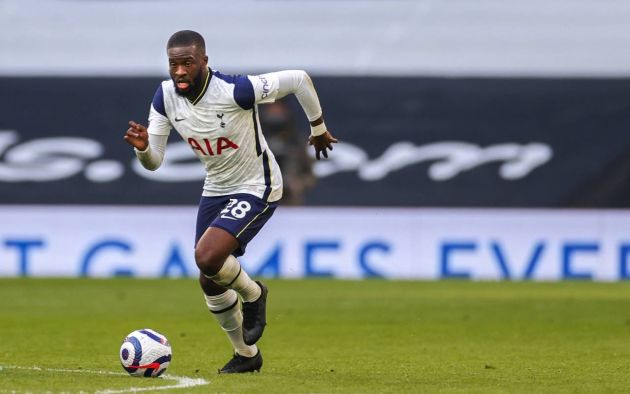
(184, 38)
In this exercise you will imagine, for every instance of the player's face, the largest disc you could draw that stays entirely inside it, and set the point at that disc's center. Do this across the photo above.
(187, 67)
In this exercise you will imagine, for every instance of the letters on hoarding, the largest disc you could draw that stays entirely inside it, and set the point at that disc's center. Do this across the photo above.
(431, 142)
(54, 158)
(472, 244)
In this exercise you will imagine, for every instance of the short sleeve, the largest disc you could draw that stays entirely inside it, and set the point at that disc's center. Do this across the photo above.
(158, 101)
(243, 92)
(158, 122)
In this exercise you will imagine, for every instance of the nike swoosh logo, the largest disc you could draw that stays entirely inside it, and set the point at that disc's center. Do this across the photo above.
(179, 119)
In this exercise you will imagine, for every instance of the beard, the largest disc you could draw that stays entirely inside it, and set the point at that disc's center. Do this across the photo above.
(193, 89)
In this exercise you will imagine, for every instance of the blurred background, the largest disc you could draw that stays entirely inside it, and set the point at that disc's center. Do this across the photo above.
(482, 140)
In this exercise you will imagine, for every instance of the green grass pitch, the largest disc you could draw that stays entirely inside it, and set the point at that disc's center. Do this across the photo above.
(325, 336)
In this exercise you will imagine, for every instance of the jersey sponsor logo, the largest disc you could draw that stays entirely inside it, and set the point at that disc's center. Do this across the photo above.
(205, 146)
(265, 87)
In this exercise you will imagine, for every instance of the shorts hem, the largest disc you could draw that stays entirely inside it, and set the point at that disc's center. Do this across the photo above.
(226, 229)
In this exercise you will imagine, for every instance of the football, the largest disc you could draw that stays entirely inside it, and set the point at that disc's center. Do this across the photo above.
(145, 353)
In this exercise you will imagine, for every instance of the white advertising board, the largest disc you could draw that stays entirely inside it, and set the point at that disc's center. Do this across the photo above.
(478, 244)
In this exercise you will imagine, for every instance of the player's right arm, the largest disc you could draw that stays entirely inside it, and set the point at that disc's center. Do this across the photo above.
(150, 144)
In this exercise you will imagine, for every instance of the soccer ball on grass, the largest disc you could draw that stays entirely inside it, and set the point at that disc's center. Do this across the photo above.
(145, 353)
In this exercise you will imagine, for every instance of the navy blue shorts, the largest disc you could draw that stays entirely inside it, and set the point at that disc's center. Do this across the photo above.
(242, 215)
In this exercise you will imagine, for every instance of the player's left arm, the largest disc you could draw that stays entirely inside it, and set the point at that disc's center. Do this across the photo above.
(272, 86)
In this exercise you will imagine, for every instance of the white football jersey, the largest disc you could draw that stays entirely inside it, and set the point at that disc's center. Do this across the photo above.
(222, 128)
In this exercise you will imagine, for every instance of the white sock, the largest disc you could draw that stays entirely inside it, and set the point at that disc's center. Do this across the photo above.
(225, 309)
(233, 276)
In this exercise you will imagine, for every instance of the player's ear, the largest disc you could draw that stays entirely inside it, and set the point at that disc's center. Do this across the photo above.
(205, 59)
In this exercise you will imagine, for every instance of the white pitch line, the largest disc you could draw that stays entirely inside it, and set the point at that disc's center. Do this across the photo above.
(182, 381)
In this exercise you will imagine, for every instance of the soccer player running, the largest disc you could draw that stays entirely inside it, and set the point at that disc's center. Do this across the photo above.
(216, 114)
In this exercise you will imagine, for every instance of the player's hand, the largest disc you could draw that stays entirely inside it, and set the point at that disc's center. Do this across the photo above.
(322, 143)
(137, 136)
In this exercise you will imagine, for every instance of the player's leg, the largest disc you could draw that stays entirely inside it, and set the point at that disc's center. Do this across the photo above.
(224, 305)
(227, 237)
(214, 258)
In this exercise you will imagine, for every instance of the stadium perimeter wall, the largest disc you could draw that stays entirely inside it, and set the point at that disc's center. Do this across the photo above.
(447, 152)
(413, 141)
(464, 107)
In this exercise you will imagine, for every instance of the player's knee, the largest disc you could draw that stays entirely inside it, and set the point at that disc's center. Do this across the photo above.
(208, 259)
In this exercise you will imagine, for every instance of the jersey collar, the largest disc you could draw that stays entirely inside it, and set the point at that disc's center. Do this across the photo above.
(205, 88)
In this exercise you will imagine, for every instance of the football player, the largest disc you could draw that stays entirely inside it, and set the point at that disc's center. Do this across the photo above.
(216, 114)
